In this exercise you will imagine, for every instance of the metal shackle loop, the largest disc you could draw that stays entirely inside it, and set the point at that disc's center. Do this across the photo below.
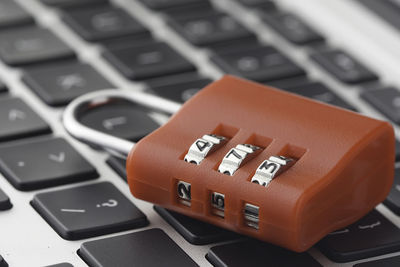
(115, 145)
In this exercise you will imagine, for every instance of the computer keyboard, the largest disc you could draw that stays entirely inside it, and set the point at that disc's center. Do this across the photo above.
(63, 203)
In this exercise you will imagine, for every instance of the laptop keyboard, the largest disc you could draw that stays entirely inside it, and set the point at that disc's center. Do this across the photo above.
(112, 44)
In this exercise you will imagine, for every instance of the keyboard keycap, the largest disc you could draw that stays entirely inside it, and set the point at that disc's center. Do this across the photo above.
(148, 61)
(87, 211)
(31, 45)
(254, 253)
(393, 199)
(58, 84)
(290, 82)
(344, 67)
(17, 120)
(194, 231)
(320, 92)
(209, 29)
(72, 3)
(386, 101)
(59, 164)
(118, 165)
(251, 3)
(261, 64)
(121, 119)
(150, 248)
(12, 14)
(162, 4)
(102, 22)
(373, 235)
(5, 204)
(388, 10)
(293, 28)
(386, 262)
(3, 87)
(3, 263)
(397, 150)
(179, 90)
(64, 264)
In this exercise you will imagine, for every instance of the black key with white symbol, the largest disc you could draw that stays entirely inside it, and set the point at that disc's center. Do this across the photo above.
(5, 203)
(179, 91)
(163, 5)
(87, 211)
(371, 236)
(150, 248)
(254, 253)
(12, 14)
(385, 100)
(57, 84)
(148, 61)
(393, 199)
(64, 264)
(59, 164)
(293, 28)
(208, 29)
(118, 165)
(344, 67)
(386, 262)
(122, 119)
(194, 231)
(102, 22)
(17, 120)
(320, 92)
(3, 263)
(261, 64)
(72, 3)
(30, 45)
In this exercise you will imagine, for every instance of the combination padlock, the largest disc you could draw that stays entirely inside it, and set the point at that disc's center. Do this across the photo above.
(265, 163)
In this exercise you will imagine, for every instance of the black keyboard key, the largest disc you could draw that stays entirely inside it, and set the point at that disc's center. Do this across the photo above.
(148, 61)
(293, 28)
(150, 248)
(64, 264)
(87, 211)
(179, 90)
(386, 262)
(251, 3)
(386, 100)
(190, 10)
(126, 41)
(12, 14)
(31, 45)
(59, 164)
(344, 67)
(393, 199)
(3, 263)
(5, 203)
(254, 253)
(261, 64)
(58, 84)
(373, 235)
(17, 120)
(3, 87)
(209, 29)
(388, 10)
(122, 119)
(234, 45)
(290, 82)
(118, 165)
(194, 231)
(162, 4)
(320, 92)
(102, 22)
(397, 150)
(72, 3)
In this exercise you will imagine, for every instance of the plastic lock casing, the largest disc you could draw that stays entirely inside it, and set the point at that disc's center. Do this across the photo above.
(344, 163)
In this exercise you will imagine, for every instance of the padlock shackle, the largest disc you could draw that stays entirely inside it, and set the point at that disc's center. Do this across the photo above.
(116, 146)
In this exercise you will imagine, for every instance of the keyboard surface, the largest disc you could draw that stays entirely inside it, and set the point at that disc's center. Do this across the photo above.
(64, 203)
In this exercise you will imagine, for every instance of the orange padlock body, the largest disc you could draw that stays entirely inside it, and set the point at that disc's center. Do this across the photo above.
(344, 167)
